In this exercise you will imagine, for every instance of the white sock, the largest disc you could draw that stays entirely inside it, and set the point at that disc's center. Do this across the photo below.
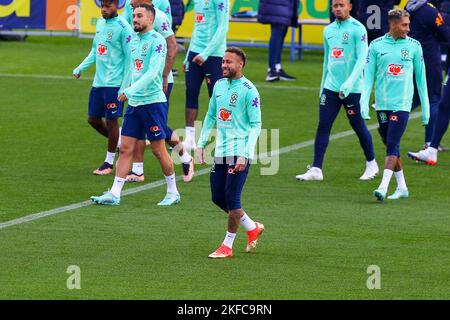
(190, 133)
(110, 157)
(401, 183)
(247, 222)
(278, 67)
(138, 168)
(186, 157)
(229, 239)
(171, 184)
(117, 186)
(372, 163)
(387, 175)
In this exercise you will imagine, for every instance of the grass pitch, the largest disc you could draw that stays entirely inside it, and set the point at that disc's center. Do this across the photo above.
(320, 237)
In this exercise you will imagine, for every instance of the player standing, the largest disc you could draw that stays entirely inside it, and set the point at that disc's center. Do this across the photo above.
(393, 61)
(162, 25)
(204, 57)
(147, 110)
(110, 50)
(235, 108)
(345, 44)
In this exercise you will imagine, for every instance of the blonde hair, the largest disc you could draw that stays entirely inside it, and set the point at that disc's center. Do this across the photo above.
(397, 14)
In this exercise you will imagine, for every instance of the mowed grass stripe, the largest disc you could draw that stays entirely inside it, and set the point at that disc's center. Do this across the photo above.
(160, 183)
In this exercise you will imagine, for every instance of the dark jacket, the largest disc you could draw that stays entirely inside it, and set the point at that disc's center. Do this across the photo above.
(177, 8)
(284, 12)
(429, 28)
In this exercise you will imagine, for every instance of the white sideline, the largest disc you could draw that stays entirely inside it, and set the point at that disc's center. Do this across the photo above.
(159, 183)
(56, 77)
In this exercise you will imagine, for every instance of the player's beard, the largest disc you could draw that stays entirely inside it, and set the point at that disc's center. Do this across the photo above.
(139, 28)
(231, 73)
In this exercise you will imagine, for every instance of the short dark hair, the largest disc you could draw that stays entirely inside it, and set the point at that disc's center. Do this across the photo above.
(147, 6)
(239, 52)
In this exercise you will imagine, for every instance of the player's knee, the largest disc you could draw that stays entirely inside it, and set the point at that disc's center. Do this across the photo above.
(93, 122)
(324, 127)
(159, 153)
(112, 123)
(219, 200)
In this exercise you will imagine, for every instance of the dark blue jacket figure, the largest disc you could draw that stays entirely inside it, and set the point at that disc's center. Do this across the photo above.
(177, 8)
(280, 14)
(375, 18)
(429, 28)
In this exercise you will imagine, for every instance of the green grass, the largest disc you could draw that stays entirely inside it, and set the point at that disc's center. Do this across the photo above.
(320, 237)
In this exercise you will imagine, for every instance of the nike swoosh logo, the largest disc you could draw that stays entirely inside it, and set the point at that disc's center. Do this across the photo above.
(350, 106)
(330, 37)
(218, 96)
(114, 112)
(157, 134)
(382, 54)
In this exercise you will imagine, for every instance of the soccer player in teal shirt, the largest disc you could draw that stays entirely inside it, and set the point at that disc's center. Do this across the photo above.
(345, 44)
(235, 109)
(393, 61)
(204, 57)
(110, 52)
(146, 114)
(162, 25)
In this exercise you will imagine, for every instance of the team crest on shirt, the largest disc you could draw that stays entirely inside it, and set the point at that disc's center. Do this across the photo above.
(383, 117)
(109, 36)
(102, 50)
(233, 99)
(345, 37)
(144, 48)
(337, 53)
(395, 69)
(225, 115)
(138, 64)
(405, 54)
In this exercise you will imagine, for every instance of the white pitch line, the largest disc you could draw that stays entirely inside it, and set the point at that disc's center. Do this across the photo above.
(56, 77)
(160, 183)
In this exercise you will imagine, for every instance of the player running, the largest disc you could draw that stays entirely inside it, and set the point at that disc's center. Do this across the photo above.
(204, 56)
(161, 25)
(345, 44)
(110, 51)
(235, 108)
(147, 110)
(392, 62)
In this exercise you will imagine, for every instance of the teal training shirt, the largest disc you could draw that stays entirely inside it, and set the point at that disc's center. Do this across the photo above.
(148, 55)
(161, 24)
(209, 37)
(235, 108)
(110, 52)
(392, 65)
(345, 52)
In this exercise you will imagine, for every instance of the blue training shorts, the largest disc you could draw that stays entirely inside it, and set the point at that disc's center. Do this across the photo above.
(103, 103)
(148, 120)
(392, 126)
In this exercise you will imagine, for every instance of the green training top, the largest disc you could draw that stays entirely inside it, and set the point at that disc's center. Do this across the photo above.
(392, 64)
(110, 52)
(148, 55)
(235, 108)
(161, 24)
(345, 46)
(209, 37)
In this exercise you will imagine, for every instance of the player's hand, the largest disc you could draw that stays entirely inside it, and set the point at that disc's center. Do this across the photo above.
(341, 95)
(198, 60)
(200, 155)
(77, 75)
(184, 68)
(122, 97)
(165, 84)
(241, 164)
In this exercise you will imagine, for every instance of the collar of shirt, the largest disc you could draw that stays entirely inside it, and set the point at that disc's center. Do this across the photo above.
(232, 83)
(147, 35)
(390, 39)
